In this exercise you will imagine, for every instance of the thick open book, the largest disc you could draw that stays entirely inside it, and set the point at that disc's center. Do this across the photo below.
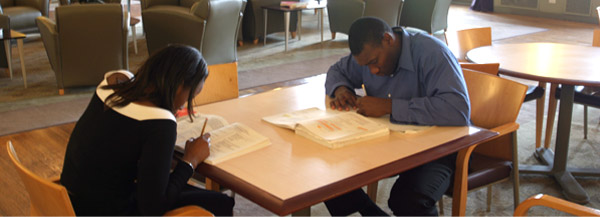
(332, 129)
(227, 140)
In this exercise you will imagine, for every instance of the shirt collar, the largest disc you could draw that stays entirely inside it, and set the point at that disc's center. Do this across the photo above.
(405, 60)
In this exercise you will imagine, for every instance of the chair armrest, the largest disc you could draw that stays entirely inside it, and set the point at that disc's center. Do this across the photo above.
(49, 34)
(149, 3)
(200, 9)
(189, 211)
(505, 129)
(41, 5)
(554, 203)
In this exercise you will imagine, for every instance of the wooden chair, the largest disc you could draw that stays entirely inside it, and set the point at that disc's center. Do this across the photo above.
(460, 42)
(490, 68)
(495, 105)
(49, 198)
(554, 203)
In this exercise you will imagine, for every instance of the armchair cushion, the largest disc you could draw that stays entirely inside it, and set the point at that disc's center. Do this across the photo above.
(22, 18)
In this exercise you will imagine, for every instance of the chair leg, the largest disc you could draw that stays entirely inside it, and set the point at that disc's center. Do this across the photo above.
(372, 191)
(515, 171)
(489, 198)
(61, 92)
(551, 114)
(134, 36)
(585, 122)
(332, 35)
(539, 116)
(441, 205)
(255, 41)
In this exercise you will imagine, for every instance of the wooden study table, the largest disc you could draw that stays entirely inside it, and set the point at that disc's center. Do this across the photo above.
(294, 173)
(568, 65)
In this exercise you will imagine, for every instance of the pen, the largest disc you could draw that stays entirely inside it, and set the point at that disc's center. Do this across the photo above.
(364, 89)
(204, 127)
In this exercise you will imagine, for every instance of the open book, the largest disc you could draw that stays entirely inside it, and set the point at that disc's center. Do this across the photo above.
(332, 129)
(227, 140)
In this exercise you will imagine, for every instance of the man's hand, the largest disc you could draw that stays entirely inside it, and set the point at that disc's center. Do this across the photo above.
(344, 99)
(374, 107)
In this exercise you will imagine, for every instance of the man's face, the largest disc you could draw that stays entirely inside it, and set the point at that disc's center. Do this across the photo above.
(378, 58)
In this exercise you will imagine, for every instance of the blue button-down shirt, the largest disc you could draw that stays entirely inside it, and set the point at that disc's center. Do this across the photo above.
(427, 87)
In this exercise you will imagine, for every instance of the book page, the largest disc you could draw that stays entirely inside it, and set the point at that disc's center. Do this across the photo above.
(234, 140)
(341, 126)
(187, 129)
(289, 120)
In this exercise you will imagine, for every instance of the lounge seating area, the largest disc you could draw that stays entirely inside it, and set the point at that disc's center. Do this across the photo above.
(64, 64)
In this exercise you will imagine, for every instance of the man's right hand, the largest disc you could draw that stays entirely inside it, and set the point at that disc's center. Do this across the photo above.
(344, 99)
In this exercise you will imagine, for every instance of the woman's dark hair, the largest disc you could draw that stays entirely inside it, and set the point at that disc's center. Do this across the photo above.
(159, 77)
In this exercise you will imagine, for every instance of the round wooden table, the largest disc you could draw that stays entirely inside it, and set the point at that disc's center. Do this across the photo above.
(567, 65)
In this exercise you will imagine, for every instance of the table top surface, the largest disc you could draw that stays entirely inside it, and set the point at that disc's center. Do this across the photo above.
(547, 62)
(294, 173)
(311, 5)
(13, 35)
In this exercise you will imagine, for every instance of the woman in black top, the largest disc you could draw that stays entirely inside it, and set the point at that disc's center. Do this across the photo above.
(118, 158)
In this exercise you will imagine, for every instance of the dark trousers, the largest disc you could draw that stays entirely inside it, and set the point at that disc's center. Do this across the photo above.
(414, 193)
(217, 203)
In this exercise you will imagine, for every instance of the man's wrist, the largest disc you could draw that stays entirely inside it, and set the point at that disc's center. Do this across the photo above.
(188, 163)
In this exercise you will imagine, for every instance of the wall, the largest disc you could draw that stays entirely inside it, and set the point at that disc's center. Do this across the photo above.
(572, 10)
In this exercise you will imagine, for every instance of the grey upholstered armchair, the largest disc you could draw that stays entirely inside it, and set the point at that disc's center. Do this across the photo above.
(343, 12)
(80, 58)
(253, 24)
(209, 25)
(22, 13)
(428, 15)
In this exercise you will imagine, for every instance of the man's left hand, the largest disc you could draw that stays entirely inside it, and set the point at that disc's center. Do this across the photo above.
(373, 107)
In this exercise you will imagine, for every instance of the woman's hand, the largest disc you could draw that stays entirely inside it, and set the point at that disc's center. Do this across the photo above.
(196, 149)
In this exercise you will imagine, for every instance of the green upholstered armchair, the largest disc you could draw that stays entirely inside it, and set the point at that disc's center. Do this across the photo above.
(209, 25)
(428, 15)
(254, 23)
(81, 58)
(343, 12)
(22, 13)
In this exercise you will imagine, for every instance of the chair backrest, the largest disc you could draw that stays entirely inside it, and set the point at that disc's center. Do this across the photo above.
(495, 101)
(387, 10)
(92, 41)
(223, 19)
(461, 41)
(428, 15)
(490, 68)
(342, 13)
(47, 198)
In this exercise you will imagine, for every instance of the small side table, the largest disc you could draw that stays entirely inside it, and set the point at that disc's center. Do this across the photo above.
(286, 18)
(7, 46)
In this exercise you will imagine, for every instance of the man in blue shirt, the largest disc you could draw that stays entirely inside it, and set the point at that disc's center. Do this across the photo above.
(417, 80)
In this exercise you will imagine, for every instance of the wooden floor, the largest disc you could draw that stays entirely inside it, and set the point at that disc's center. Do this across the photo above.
(43, 152)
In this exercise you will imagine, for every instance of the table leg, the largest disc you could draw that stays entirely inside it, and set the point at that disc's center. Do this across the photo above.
(299, 25)
(20, 48)
(321, 18)
(265, 11)
(286, 21)
(7, 48)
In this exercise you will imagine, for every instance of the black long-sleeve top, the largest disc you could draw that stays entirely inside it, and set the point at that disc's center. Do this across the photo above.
(118, 160)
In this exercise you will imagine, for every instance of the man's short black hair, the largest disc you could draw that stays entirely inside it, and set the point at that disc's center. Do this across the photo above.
(366, 30)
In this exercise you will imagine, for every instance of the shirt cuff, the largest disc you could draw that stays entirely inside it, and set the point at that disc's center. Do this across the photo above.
(400, 111)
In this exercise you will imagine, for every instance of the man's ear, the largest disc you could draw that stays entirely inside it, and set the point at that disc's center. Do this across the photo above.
(388, 39)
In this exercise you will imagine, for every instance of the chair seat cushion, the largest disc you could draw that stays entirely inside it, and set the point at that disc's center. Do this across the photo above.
(585, 96)
(485, 170)
(22, 18)
(533, 92)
